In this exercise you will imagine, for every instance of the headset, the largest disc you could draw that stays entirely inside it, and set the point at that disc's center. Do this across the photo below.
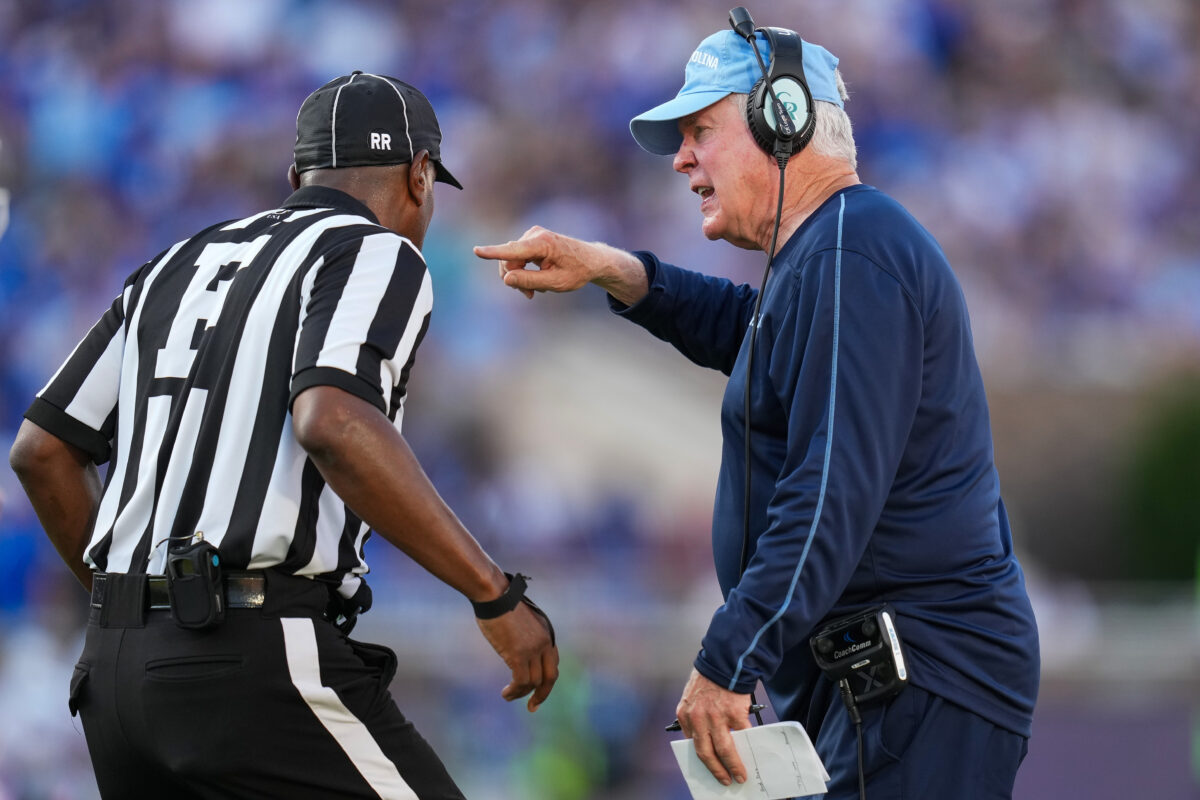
(777, 127)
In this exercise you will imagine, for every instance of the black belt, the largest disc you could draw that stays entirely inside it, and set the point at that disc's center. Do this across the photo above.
(243, 589)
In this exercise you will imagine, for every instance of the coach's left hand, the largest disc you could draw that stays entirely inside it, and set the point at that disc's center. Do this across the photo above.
(707, 713)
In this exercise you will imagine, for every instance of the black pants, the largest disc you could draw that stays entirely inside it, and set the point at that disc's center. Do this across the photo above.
(274, 703)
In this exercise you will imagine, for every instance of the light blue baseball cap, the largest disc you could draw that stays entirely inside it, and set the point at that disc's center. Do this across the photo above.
(722, 65)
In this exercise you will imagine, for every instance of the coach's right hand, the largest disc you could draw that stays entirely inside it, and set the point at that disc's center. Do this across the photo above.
(522, 638)
(564, 264)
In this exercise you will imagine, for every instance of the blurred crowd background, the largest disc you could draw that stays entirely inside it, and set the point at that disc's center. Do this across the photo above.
(1052, 146)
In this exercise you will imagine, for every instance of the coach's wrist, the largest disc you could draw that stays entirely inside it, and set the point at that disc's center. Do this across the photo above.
(621, 274)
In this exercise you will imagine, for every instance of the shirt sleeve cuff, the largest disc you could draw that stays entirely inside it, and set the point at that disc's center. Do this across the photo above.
(646, 305)
(332, 376)
(54, 420)
(744, 684)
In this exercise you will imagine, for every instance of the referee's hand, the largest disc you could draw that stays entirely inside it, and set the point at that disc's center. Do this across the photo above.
(522, 639)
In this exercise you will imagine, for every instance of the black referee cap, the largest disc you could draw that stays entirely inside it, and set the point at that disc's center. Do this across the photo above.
(364, 120)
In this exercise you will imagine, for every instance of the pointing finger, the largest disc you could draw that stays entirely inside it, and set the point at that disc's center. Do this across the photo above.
(525, 250)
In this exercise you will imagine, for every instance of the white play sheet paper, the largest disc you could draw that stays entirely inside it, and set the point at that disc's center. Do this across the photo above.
(780, 763)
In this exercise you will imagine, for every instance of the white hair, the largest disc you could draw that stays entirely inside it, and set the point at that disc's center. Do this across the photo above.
(833, 135)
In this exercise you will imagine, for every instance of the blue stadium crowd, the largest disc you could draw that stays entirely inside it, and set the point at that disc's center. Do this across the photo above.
(1052, 146)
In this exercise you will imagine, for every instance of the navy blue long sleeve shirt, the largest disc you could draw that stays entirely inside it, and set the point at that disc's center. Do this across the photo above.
(872, 474)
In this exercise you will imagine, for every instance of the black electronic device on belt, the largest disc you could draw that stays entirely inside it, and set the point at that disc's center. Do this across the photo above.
(861, 653)
(863, 650)
(194, 584)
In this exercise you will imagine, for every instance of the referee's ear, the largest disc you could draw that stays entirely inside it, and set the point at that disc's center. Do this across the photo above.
(420, 177)
(293, 177)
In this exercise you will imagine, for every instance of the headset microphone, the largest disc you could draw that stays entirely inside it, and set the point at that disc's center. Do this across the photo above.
(742, 24)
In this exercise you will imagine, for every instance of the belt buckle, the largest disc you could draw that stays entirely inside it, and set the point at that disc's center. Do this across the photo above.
(99, 580)
(245, 590)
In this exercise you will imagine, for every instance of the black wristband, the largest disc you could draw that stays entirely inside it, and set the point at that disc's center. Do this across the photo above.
(506, 602)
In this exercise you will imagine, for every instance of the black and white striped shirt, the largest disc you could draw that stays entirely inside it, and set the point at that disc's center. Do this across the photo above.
(186, 384)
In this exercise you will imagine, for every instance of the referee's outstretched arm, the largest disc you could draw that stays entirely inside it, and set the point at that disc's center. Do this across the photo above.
(365, 459)
(64, 488)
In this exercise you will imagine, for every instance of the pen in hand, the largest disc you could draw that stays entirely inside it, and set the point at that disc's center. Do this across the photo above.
(754, 709)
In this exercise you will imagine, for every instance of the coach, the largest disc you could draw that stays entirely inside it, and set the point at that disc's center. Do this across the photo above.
(856, 404)
(247, 388)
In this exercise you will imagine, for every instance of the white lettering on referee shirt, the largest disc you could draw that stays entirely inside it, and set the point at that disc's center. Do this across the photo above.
(175, 360)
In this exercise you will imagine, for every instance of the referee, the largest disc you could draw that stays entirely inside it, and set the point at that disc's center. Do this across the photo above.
(247, 389)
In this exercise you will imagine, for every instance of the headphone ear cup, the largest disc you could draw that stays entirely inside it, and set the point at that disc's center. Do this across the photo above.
(756, 117)
(760, 126)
